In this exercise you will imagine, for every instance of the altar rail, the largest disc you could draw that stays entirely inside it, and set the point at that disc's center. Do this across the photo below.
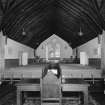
(95, 62)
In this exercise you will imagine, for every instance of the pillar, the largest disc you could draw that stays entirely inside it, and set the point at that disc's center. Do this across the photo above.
(103, 54)
(18, 97)
(2, 51)
(86, 96)
(46, 52)
(99, 45)
(25, 58)
(83, 58)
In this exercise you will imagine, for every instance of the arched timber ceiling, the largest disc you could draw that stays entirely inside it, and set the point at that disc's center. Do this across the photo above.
(39, 19)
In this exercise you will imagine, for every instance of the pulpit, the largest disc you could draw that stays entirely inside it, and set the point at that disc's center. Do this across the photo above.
(51, 88)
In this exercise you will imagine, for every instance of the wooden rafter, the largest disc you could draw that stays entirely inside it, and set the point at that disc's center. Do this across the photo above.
(51, 16)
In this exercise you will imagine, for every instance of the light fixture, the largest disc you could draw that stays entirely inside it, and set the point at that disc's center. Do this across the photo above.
(80, 33)
(23, 33)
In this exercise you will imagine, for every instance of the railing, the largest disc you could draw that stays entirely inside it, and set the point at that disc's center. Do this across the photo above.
(95, 62)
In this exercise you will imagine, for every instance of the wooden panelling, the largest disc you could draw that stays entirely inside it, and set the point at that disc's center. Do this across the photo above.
(95, 62)
(10, 63)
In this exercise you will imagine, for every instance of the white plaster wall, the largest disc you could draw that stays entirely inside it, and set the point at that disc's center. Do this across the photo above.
(91, 48)
(65, 49)
(13, 50)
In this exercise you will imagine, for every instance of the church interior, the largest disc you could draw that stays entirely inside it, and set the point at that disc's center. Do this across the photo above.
(52, 52)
